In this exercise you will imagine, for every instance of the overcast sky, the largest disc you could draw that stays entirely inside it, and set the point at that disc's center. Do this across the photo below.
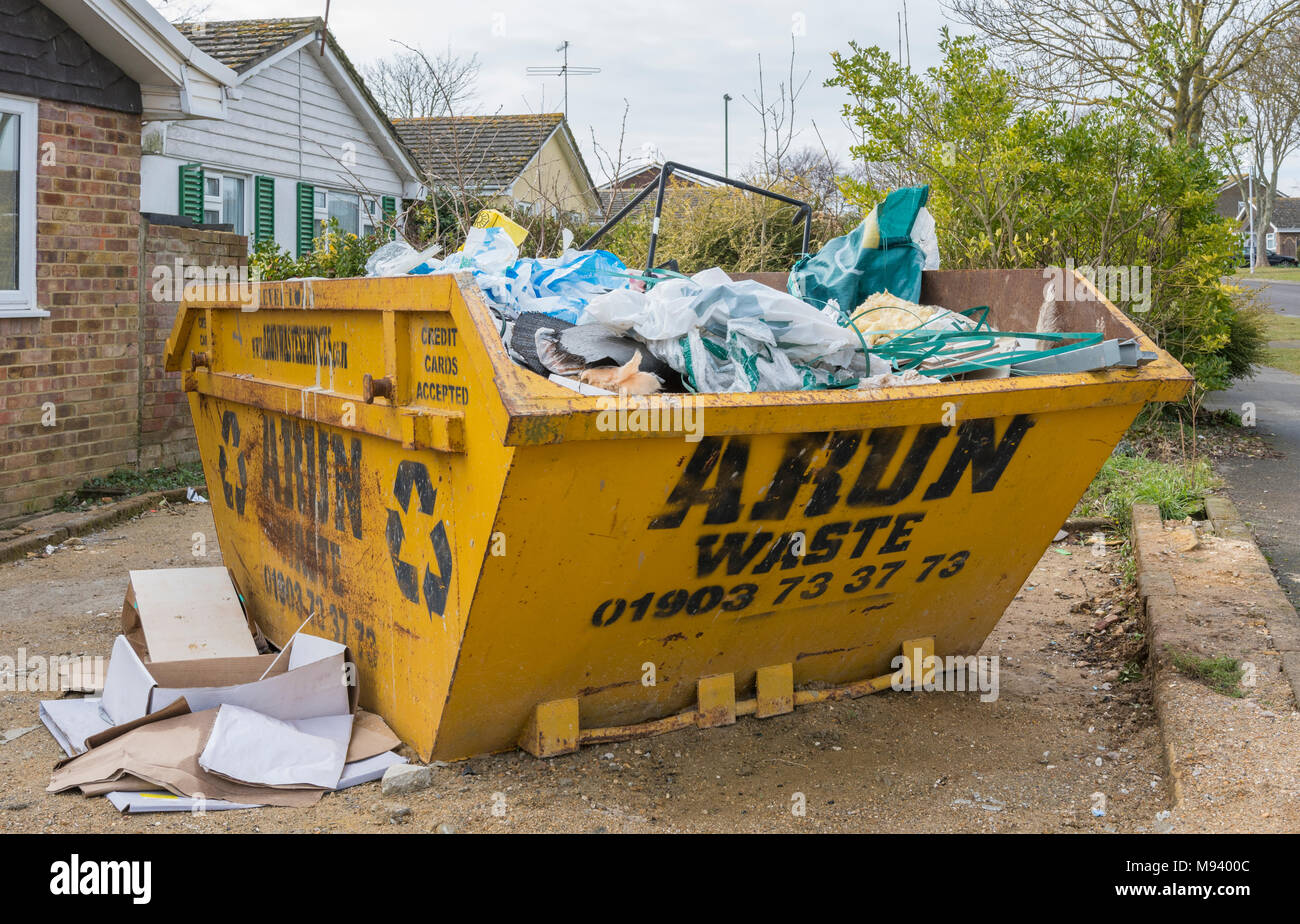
(671, 60)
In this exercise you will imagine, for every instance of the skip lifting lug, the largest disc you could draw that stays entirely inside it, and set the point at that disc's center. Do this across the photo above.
(372, 388)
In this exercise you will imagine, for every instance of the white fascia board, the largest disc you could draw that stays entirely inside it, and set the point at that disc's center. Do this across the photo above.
(176, 79)
(380, 131)
(280, 55)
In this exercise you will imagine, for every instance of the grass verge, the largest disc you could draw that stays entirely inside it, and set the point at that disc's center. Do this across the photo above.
(1177, 488)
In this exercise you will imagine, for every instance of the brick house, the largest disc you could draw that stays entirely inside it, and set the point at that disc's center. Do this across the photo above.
(1283, 232)
(78, 396)
(615, 194)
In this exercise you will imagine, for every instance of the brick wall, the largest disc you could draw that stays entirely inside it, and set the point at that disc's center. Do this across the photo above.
(97, 358)
(82, 358)
(166, 431)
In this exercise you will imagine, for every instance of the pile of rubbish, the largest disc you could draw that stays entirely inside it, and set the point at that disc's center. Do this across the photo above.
(849, 319)
(197, 713)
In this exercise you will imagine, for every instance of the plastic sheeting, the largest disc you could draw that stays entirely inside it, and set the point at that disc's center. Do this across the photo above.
(736, 336)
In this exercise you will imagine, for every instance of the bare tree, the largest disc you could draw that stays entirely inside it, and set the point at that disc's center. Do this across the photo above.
(413, 84)
(1167, 56)
(776, 112)
(178, 11)
(612, 165)
(1257, 125)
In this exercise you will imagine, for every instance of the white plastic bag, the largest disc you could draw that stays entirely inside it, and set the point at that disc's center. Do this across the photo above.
(397, 258)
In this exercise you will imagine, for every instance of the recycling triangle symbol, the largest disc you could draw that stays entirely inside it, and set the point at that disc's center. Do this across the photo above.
(413, 477)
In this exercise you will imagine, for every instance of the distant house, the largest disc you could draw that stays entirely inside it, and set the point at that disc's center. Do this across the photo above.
(615, 194)
(78, 395)
(532, 161)
(1283, 232)
(303, 141)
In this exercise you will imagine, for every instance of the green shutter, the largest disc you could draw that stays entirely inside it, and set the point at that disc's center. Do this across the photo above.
(190, 197)
(389, 206)
(306, 218)
(263, 209)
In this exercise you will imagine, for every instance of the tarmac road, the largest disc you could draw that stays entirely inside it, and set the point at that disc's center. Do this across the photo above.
(1265, 490)
(1281, 297)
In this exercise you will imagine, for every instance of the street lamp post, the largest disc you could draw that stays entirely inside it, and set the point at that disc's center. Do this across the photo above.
(726, 135)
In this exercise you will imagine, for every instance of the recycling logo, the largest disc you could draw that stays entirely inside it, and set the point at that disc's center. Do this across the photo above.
(413, 477)
(235, 494)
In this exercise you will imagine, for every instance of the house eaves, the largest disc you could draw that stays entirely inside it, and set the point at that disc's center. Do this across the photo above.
(177, 80)
(260, 44)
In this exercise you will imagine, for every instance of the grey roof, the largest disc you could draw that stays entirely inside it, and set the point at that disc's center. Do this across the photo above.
(488, 152)
(1286, 213)
(241, 43)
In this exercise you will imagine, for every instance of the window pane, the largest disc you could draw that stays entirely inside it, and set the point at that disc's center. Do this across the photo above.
(212, 186)
(232, 202)
(211, 217)
(9, 165)
(344, 208)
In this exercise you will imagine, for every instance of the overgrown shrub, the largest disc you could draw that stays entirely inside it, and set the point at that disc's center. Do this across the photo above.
(336, 254)
(1017, 184)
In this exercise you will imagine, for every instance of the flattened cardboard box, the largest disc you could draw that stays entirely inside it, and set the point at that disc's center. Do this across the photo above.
(305, 681)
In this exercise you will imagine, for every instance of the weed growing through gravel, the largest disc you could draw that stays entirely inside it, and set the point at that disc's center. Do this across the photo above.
(1222, 674)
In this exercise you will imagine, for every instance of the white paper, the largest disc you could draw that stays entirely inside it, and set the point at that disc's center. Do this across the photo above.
(368, 770)
(136, 803)
(127, 686)
(257, 749)
(72, 721)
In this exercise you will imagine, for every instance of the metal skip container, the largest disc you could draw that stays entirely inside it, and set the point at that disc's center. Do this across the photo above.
(517, 564)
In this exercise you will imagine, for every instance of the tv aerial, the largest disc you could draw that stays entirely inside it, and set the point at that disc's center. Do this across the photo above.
(564, 70)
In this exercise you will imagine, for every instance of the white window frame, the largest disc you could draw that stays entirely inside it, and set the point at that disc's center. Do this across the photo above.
(217, 203)
(321, 213)
(1270, 241)
(21, 302)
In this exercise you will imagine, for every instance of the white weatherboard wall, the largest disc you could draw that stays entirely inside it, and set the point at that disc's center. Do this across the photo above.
(290, 122)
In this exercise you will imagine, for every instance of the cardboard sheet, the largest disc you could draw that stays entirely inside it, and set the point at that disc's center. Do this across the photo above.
(165, 753)
(302, 684)
(137, 802)
(180, 614)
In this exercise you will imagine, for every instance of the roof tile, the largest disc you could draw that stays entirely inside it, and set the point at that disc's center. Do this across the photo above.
(476, 151)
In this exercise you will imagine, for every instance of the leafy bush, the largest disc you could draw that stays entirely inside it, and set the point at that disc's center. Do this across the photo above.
(446, 216)
(1017, 184)
(336, 254)
(726, 227)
